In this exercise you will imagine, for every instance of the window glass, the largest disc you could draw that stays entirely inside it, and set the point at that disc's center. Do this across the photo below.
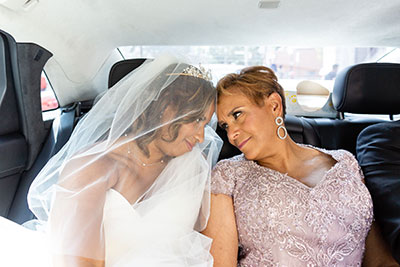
(49, 100)
(297, 68)
(392, 56)
(289, 63)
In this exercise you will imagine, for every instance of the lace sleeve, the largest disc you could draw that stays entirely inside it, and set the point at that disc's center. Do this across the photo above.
(353, 165)
(223, 179)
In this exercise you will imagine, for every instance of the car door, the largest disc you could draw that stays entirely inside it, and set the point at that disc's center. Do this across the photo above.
(22, 130)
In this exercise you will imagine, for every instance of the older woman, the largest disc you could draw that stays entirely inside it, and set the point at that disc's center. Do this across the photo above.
(281, 203)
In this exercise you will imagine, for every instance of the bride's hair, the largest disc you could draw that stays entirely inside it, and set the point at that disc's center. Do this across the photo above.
(186, 94)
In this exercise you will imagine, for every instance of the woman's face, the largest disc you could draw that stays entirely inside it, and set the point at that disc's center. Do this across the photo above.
(189, 135)
(249, 127)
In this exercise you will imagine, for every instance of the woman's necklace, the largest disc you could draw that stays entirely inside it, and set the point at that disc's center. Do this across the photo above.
(141, 162)
(138, 160)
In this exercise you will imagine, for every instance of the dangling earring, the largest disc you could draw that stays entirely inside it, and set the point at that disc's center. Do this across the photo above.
(279, 123)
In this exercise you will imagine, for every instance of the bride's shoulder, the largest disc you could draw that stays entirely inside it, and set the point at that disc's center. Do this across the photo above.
(81, 171)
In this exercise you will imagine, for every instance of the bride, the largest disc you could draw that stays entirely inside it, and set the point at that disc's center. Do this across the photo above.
(131, 186)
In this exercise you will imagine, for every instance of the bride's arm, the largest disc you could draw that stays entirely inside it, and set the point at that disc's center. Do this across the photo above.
(76, 218)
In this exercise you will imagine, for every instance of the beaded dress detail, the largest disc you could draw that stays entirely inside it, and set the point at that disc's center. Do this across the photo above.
(283, 222)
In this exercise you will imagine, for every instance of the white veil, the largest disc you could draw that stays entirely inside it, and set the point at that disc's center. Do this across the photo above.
(70, 195)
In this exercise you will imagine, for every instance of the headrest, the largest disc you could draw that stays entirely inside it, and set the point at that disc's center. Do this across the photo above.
(372, 88)
(122, 68)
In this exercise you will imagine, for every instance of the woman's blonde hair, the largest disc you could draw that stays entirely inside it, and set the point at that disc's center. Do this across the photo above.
(255, 82)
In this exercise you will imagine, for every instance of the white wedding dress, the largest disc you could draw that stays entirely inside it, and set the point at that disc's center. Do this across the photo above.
(160, 238)
(157, 230)
(71, 195)
(131, 240)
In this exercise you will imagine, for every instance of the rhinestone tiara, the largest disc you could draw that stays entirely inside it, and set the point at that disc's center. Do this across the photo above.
(199, 72)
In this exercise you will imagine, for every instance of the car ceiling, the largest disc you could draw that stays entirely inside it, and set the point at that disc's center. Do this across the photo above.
(83, 33)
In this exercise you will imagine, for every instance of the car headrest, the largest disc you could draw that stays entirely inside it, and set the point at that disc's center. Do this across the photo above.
(372, 88)
(122, 68)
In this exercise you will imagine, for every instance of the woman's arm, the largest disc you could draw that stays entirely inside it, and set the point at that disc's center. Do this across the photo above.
(221, 228)
(377, 252)
(76, 217)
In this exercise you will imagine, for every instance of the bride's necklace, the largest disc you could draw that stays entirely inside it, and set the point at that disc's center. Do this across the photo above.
(141, 162)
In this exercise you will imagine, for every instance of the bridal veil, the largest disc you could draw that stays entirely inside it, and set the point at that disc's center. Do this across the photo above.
(166, 213)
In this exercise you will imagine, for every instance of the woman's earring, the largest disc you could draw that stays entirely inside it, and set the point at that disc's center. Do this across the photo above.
(279, 123)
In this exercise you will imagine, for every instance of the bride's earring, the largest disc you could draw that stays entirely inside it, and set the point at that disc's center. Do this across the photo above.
(279, 123)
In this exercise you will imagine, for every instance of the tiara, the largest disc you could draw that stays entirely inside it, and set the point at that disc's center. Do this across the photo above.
(199, 72)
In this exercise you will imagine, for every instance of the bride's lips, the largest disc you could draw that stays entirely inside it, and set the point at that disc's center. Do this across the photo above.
(189, 145)
(243, 143)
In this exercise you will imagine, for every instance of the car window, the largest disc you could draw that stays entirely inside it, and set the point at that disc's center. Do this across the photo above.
(289, 63)
(298, 68)
(49, 100)
(392, 56)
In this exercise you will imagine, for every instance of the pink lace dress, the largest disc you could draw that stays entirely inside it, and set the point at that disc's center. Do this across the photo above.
(282, 222)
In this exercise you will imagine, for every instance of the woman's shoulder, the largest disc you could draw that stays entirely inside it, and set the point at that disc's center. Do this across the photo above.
(342, 155)
(81, 171)
(227, 173)
(235, 161)
(232, 168)
(94, 162)
(345, 160)
(337, 154)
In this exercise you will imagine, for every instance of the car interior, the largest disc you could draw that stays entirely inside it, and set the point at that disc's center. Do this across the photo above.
(28, 141)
